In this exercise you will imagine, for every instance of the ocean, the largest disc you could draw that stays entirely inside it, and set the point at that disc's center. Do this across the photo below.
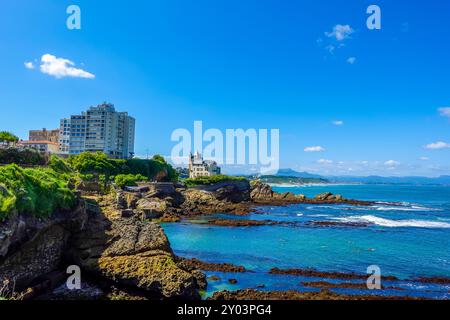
(406, 234)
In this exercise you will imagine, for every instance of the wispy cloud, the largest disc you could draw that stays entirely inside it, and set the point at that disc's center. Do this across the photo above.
(392, 163)
(445, 112)
(29, 65)
(314, 149)
(61, 68)
(437, 145)
(330, 48)
(338, 123)
(351, 60)
(340, 32)
(324, 161)
(424, 158)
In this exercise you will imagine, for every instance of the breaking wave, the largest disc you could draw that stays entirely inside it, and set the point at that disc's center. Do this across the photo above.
(395, 223)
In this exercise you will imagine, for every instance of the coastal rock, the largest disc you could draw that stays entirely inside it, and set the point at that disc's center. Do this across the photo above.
(321, 274)
(205, 202)
(32, 248)
(338, 224)
(323, 196)
(344, 285)
(152, 208)
(251, 294)
(240, 223)
(132, 253)
(260, 191)
(196, 264)
(214, 278)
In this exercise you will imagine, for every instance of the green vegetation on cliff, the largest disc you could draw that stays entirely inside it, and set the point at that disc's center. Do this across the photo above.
(98, 164)
(43, 190)
(192, 182)
(123, 180)
(26, 157)
(39, 191)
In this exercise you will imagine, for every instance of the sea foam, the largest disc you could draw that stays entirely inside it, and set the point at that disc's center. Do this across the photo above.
(396, 223)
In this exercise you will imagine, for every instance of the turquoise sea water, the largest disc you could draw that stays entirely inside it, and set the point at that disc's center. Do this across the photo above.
(408, 236)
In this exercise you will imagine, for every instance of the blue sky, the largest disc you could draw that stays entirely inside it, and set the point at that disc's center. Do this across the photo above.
(245, 64)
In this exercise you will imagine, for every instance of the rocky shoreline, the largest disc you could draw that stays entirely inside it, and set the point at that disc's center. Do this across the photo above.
(252, 294)
(124, 253)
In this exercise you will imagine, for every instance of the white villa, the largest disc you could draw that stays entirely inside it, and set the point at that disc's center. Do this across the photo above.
(202, 168)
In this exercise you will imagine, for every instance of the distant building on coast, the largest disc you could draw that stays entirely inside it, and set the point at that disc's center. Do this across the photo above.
(100, 128)
(41, 146)
(202, 168)
(44, 135)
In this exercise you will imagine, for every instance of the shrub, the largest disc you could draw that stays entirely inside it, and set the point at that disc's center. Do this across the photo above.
(39, 191)
(192, 182)
(97, 164)
(29, 157)
(59, 165)
(123, 180)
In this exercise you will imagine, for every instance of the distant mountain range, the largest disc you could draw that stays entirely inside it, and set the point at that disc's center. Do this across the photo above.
(296, 174)
(442, 180)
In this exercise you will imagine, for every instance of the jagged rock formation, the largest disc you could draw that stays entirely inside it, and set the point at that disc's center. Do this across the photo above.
(31, 248)
(112, 252)
(263, 194)
(132, 253)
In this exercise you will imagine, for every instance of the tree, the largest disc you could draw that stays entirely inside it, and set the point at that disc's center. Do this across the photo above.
(8, 138)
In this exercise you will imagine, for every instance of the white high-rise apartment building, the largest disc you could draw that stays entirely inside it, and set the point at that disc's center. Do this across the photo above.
(103, 129)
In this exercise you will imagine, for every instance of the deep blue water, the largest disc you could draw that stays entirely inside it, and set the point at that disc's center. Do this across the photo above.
(408, 239)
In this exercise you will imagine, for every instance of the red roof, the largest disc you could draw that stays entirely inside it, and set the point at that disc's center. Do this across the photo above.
(38, 142)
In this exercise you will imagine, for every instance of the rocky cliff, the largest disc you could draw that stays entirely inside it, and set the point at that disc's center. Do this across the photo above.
(129, 252)
(114, 253)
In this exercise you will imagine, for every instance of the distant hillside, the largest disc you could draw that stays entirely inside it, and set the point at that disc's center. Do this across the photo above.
(290, 180)
(412, 180)
(293, 173)
(442, 180)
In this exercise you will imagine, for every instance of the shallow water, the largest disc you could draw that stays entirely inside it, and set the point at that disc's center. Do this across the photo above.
(407, 239)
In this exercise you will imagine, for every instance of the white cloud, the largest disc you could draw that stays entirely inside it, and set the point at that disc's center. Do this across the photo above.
(314, 149)
(351, 60)
(60, 68)
(330, 48)
(445, 112)
(338, 123)
(340, 32)
(424, 158)
(391, 163)
(437, 145)
(324, 161)
(29, 65)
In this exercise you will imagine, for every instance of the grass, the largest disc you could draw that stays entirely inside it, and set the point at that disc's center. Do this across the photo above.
(37, 191)
(192, 182)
